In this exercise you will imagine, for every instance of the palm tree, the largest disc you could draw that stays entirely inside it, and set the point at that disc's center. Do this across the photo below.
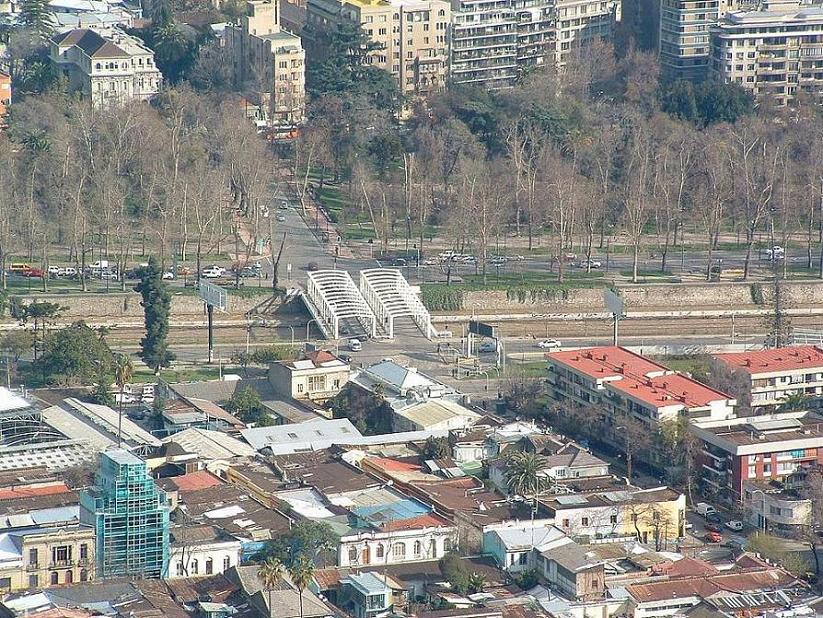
(477, 582)
(301, 573)
(794, 401)
(270, 573)
(123, 370)
(524, 476)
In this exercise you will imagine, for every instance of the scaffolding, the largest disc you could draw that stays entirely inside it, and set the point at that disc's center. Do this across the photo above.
(130, 516)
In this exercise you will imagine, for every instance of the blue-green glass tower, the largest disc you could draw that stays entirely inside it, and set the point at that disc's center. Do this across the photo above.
(130, 516)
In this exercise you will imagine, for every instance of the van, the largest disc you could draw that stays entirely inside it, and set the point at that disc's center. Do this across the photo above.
(705, 509)
(19, 267)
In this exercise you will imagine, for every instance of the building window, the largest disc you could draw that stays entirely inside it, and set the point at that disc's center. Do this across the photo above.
(181, 568)
(299, 388)
(399, 551)
(34, 581)
(584, 521)
(84, 575)
(55, 578)
(352, 554)
(226, 563)
(379, 552)
(209, 566)
(69, 577)
(33, 557)
(84, 552)
(418, 549)
(565, 523)
(447, 545)
(613, 519)
(194, 567)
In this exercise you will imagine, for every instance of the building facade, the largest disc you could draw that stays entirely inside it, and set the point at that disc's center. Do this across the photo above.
(775, 54)
(413, 36)
(130, 518)
(579, 23)
(317, 377)
(5, 96)
(685, 37)
(765, 447)
(775, 506)
(778, 373)
(202, 550)
(268, 64)
(106, 67)
(45, 557)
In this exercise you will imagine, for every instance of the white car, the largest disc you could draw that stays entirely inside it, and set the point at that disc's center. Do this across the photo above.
(56, 271)
(355, 345)
(168, 275)
(69, 271)
(734, 524)
(549, 344)
(592, 264)
(775, 253)
(213, 272)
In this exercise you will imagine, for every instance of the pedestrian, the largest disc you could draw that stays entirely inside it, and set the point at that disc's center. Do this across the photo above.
(438, 348)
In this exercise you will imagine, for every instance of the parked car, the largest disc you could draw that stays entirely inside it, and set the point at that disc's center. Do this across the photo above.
(775, 253)
(549, 344)
(312, 266)
(70, 271)
(398, 262)
(734, 524)
(34, 273)
(109, 275)
(344, 357)
(213, 272)
(281, 218)
(713, 537)
(713, 527)
(55, 271)
(18, 268)
(355, 345)
(705, 509)
(590, 264)
(248, 271)
(497, 260)
(168, 275)
(714, 518)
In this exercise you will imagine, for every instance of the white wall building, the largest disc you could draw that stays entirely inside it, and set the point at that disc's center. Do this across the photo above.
(200, 551)
(106, 66)
(379, 547)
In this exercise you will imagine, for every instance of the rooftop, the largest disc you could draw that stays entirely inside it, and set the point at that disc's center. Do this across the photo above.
(316, 360)
(312, 435)
(706, 586)
(527, 536)
(637, 377)
(756, 433)
(91, 43)
(210, 444)
(9, 401)
(320, 469)
(775, 360)
(432, 412)
(95, 424)
(193, 481)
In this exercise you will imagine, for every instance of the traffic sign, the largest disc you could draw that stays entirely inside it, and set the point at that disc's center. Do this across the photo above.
(615, 303)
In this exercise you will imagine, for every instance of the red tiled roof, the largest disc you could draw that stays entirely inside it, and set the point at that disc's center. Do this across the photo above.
(195, 481)
(638, 377)
(777, 359)
(707, 586)
(429, 520)
(320, 356)
(393, 465)
(686, 567)
(27, 491)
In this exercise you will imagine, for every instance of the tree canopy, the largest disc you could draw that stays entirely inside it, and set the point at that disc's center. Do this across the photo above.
(74, 355)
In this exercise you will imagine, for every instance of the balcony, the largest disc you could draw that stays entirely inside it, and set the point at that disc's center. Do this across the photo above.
(33, 566)
(60, 564)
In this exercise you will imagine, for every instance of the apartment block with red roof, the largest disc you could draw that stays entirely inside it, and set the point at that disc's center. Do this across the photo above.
(778, 373)
(765, 447)
(620, 382)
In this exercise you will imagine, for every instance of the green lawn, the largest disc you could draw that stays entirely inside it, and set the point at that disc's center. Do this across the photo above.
(183, 374)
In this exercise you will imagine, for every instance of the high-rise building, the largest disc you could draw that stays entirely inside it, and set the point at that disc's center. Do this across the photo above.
(579, 23)
(130, 516)
(413, 36)
(269, 64)
(484, 43)
(775, 53)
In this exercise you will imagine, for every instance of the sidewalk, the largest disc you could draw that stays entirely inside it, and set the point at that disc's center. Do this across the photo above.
(320, 225)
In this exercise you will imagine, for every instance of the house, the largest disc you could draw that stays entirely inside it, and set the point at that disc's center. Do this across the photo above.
(106, 67)
(656, 515)
(776, 505)
(573, 570)
(624, 383)
(765, 447)
(514, 546)
(196, 413)
(777, 373)
(434, 415)
(201, 550)
(318, 376)
(315, 435)
(365, 595)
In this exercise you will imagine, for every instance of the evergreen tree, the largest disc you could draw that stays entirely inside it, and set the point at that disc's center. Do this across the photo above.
(156, 307)
(36, 18)
(778, 322)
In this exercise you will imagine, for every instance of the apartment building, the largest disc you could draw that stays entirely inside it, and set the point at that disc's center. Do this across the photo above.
(106, 66)
(579, 23)
(774, 53)
(765, 447)
(484, 43)
(778, 373)
(620, 383)
(269, 65)
(413, 35)
(775, 505)
(685, 37)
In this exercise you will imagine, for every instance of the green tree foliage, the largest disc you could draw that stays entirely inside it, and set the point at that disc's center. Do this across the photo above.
(102, 393)
(369, 412)
(454, 570)
(707, 103)
(309, 539)
(15, 344)
(528, 579)
(74, 355)
(301, 573)
(156, 308)
(344, 72)
(270, 573)
(36, 18)
(245, 404)
(436, 448)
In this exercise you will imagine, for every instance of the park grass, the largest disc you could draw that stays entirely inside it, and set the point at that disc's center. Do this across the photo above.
(182, 374)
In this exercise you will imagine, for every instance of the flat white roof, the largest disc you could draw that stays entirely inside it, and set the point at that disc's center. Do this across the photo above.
(10, 401)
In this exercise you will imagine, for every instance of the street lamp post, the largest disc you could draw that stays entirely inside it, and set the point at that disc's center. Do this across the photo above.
(291, 328)
(308, 324)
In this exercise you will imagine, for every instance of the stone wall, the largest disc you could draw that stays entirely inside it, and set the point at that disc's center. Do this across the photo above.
(126, 305)
(644, 297)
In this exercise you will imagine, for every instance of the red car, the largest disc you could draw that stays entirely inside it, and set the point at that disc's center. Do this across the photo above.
(35, 273)
(713, 537)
